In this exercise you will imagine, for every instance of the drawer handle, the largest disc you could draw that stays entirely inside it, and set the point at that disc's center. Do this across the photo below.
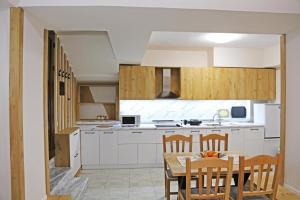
(91, 132)
(235, 129)
(76, 155)
(108, 132)
(75, 134)
(216, 130)
(254, 129)
(169, 131)
(139, 132)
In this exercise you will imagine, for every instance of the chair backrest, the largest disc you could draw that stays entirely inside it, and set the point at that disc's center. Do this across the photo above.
(178, 143)
(213, 142)
(260, 165)
(213, 168)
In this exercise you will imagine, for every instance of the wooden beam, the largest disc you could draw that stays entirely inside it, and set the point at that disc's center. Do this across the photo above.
(16, 104)
(45, 99)
(283, 103)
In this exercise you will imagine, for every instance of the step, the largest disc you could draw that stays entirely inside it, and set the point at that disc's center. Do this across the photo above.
(56, 175)
(75, 187)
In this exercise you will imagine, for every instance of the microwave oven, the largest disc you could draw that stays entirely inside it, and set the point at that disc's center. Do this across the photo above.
(130, 120)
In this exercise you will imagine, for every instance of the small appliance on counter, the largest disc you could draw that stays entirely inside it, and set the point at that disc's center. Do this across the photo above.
(238, 112)
(130, 120)
(166, 123)
(192, 122)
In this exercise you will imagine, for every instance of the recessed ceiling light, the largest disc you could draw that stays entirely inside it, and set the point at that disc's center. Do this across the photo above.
(221, 38)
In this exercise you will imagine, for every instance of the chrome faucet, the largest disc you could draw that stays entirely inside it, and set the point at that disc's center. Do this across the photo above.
(219, 119)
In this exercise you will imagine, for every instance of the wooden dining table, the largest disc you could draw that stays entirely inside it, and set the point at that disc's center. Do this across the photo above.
(179, 170)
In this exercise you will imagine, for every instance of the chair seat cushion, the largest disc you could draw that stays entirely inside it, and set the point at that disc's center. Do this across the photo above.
(170, 176)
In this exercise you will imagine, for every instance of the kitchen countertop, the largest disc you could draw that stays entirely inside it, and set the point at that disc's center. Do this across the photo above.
(93, 126)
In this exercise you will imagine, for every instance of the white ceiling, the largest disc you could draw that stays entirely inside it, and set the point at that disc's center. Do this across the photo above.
(129, 28)
(274, 6)
(91, 55)
(196, 41)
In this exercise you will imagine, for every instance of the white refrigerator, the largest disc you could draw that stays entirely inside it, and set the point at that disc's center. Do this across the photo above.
(269, 115)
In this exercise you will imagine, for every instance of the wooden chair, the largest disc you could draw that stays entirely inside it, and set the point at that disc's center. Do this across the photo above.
(211, 167)
(177, 143)
(261, 188)
(212, 141)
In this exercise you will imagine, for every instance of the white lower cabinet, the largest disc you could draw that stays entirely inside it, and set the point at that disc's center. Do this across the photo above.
(146, 153)
(90, 147)
(236, 140)
(128, 154)
(254, 141)
(108, 147)
(159, 154)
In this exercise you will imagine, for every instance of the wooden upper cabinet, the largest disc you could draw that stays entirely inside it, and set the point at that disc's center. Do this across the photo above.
(136, 82)
(228, 83)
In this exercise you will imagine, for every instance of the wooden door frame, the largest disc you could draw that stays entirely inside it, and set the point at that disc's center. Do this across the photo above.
(283, 103)
(16, 103)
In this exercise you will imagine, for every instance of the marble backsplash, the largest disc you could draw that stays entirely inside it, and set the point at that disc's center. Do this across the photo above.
(180, 109)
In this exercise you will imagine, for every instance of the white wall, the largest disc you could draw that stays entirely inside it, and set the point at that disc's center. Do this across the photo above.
(175, 58)
(272, 56)
(292, 170)
(247, 57)
(33, 125)
(5, 190)
(238, 57)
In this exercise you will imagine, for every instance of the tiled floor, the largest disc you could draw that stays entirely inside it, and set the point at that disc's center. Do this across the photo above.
(133, 184)
(137, 184)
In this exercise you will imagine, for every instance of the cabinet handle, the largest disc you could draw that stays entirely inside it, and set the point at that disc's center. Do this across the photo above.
(254, 129)
(235, 129)
(76, 155)
(195, 131)
(169, 131)
(216, 130)
(108, 132)
(90, 132)
(137, 132)
(75, 134)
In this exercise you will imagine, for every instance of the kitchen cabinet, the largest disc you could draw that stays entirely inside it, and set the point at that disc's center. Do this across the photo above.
(128, 154)
(108, 147)
(236, 140)
(67, 149)
(90, 147)
(146, 154)
(227, 83)
(137, 82)
(254, 141)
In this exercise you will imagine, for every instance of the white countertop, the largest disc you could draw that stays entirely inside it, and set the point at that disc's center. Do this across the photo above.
(94, 126)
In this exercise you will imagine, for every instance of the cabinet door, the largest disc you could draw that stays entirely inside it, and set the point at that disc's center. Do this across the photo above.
(127, 154)
(90, 148)
(254, 141)
(147, 153)
(108, 147)
(227, 83)
(159, 154)
(236, 140)
(136, 82)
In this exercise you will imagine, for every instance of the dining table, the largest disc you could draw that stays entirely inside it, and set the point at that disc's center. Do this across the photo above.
(176, 164)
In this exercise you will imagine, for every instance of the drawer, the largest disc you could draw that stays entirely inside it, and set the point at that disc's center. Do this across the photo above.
(159, 134)
(137, 137)
(74, 142)
(255, 133)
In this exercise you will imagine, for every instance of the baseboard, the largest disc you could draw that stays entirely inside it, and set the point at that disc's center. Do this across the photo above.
(292, 189)
(45, 197)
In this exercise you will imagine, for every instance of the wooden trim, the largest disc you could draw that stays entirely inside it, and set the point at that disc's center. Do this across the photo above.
(45, 99)
(16, 104)
(283, 103)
